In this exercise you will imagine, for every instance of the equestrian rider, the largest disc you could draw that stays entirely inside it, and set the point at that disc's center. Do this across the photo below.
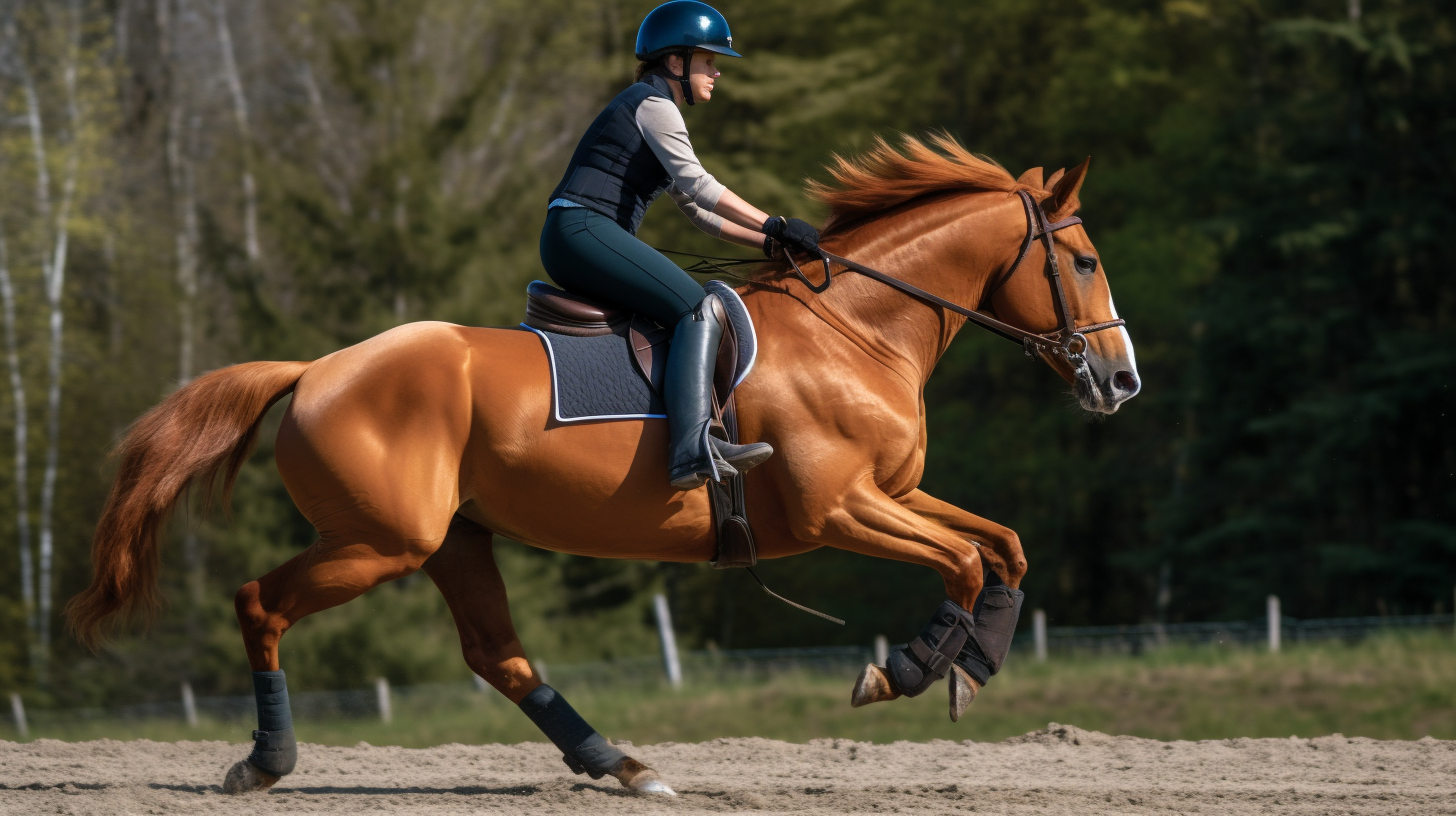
(637, 148)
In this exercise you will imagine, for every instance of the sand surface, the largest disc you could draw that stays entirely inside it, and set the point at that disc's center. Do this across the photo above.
(1058, 770)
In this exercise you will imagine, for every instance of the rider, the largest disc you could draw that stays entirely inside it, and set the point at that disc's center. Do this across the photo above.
(637, 148)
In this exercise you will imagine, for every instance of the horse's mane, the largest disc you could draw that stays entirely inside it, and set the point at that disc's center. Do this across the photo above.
(885, 176)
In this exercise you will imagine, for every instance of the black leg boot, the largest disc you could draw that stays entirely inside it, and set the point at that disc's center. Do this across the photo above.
(689, 397)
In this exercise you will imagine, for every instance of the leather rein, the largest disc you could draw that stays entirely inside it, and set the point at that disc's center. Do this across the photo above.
(1068, 342)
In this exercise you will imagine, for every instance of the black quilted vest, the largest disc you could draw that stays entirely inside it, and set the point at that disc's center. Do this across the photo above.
(613, 170)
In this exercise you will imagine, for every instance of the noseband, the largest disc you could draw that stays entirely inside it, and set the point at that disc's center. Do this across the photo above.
(1069, 342)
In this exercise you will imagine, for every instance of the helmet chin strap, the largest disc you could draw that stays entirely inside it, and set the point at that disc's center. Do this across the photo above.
(685, 78)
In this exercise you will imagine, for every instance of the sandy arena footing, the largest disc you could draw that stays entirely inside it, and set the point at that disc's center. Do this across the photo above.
(1057, 770)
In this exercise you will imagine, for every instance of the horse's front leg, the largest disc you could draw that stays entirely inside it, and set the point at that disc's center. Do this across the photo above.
(999, 606)
(1005, 558)
(867, 521)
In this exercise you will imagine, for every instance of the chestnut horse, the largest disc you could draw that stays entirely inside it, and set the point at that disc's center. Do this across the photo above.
(412, 449)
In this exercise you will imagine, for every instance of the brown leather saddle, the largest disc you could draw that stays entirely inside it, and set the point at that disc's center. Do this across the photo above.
(549, 309)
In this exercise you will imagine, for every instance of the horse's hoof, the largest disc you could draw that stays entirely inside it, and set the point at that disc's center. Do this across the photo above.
(649, 783)
(244, 777)
(873, 686)
(963, 688)
(638, 777)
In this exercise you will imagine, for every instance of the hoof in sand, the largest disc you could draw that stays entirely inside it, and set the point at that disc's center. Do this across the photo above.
(638, 777)
(245, 778)
(873, 686)
(963, 688)
(649, 783)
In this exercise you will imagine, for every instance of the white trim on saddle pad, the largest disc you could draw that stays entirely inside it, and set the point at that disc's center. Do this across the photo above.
(556, 390)
(747, 346)
(748, 343)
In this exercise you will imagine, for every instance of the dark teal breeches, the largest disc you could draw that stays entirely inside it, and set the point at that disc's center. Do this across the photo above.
(588, 254)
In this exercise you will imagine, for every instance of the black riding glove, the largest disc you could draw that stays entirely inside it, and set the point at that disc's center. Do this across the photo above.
(791, 233)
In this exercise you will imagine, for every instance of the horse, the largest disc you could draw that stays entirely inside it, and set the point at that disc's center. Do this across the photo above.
(413, 449)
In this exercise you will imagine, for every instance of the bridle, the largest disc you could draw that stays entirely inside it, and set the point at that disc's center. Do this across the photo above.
(1069, 342)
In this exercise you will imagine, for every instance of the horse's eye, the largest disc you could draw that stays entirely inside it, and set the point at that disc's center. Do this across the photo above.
(1086, 265)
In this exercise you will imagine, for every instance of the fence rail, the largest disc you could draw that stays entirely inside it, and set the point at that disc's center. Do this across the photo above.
(707, 667)
(1132, 639)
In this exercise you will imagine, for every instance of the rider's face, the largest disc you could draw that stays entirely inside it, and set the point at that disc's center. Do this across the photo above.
(704, 72)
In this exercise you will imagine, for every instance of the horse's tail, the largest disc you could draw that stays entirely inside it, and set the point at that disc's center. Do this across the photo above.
(206, 427)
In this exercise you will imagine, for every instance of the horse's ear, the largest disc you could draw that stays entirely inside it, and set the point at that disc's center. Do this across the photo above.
(1064, 201)
(1051, 182)
(1031, 178)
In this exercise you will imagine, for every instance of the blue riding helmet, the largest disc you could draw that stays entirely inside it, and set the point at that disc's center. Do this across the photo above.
(681, 26)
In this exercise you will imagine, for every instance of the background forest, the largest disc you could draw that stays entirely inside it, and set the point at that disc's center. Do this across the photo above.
(187, 184)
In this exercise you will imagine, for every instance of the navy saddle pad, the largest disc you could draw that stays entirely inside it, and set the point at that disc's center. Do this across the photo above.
(596, 378)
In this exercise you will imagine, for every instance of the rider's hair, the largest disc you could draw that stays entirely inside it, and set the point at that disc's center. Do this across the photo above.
(646, 67)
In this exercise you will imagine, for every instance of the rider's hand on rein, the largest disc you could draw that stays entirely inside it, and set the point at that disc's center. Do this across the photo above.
(791, 233)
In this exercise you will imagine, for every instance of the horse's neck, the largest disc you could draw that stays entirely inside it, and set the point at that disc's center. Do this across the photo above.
(927, 246)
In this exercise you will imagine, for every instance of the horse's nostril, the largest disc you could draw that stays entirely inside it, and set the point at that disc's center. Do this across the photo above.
(1125, 381)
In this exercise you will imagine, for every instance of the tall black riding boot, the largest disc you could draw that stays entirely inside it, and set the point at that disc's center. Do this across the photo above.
(689, 396)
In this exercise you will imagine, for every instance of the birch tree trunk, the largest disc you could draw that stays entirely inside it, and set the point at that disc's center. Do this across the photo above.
(184, 191)
(182, 175)
(55, 279)
(22, 458)
(36, 127)
(240, 112)
(329, 137)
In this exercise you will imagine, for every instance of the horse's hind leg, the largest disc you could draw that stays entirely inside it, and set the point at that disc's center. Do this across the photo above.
(464, 569)
(323, 576)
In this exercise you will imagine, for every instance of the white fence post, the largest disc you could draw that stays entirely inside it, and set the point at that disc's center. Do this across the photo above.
(189, 705)
(381, 691)
(882, 650)
(1275, 628)
(480, 684)
(539, 667)
(17, 708)
(1038, 634)
(669, 640)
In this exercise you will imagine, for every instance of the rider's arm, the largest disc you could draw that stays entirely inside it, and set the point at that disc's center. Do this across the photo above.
(714, 224)
(666, 134)
(740, 212)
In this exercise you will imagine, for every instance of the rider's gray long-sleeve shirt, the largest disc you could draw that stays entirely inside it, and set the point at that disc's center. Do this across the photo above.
(693, 189)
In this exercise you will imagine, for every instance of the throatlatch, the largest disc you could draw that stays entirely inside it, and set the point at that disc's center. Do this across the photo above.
(275, 750)
(582, 748)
